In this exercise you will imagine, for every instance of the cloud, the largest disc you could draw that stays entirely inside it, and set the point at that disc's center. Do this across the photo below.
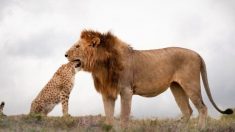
(41, 45)
(3, 6)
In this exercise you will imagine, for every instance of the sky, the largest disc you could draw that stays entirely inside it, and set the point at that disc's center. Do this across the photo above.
(34, 36)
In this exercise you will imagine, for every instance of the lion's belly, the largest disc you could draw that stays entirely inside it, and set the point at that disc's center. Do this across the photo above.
(150, 90)
(150, 84)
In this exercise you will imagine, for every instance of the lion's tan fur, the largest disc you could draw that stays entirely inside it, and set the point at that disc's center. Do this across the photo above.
(118, 69)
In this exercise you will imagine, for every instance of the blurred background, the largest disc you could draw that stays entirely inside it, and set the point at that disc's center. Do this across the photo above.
(34, 36)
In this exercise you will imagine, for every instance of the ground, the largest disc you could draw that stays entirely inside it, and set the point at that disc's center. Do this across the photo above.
(96, 123)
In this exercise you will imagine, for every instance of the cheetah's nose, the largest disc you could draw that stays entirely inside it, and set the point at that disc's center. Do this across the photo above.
(66, 55)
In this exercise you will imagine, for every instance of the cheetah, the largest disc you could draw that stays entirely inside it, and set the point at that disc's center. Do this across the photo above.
(57, 90)
(1, 109)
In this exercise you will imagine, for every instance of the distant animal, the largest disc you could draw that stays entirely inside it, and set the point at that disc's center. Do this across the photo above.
(118, 69)
(56, 90)
(1, 109)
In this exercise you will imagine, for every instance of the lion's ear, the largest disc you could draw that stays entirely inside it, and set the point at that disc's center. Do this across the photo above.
(95, 42)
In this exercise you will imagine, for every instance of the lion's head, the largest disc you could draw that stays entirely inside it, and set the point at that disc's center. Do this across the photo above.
(101, 55)
(92, 48)
(82, 51)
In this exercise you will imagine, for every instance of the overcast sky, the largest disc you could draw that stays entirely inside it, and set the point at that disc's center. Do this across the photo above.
(35, 34)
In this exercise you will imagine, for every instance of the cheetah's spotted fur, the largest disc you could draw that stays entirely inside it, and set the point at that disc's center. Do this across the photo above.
(56, 90)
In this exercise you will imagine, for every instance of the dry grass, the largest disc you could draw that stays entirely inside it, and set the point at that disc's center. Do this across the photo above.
(96, 123)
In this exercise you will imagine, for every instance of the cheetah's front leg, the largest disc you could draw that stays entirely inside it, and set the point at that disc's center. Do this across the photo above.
(64, 97)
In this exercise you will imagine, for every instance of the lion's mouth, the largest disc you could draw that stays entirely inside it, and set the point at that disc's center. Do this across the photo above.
(78, 63)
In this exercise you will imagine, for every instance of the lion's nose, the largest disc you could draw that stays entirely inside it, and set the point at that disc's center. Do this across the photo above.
(66, 55)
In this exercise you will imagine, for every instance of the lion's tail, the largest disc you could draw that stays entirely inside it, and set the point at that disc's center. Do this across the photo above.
(207, 88)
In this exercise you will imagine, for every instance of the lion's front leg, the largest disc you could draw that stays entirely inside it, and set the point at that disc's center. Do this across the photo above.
(109, 104)
(126, 98)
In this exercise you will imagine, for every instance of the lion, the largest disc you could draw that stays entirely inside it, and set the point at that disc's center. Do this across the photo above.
(118, 69)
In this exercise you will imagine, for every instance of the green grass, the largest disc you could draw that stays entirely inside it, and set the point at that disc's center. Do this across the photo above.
(36, 123)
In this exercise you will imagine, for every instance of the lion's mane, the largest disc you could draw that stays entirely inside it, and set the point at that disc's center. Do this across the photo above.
(105, 61)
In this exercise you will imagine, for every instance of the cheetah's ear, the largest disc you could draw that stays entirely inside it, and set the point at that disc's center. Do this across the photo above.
(2, 104)
(95, 42)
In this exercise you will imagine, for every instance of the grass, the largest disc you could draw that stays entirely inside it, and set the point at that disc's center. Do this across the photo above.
(36, 123)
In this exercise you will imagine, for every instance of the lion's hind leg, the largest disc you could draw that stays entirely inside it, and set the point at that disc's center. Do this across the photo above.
(182, 101)
(193, 91)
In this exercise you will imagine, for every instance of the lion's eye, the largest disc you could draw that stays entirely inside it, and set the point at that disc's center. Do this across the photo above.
(77, 46)
(91, 45)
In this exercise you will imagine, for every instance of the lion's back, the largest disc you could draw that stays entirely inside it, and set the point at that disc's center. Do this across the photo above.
(165, 56)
